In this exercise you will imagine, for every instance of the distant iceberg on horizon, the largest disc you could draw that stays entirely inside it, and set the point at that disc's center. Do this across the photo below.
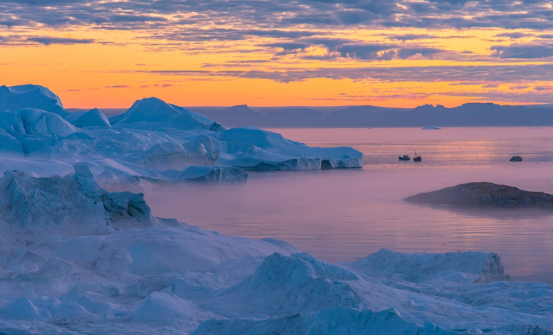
(431, 127)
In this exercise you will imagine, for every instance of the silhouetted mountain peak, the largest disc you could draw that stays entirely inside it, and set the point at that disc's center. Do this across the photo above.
(478, 104)
(428, 107)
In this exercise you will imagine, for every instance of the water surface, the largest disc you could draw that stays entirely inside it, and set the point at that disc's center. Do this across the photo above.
(341, 215)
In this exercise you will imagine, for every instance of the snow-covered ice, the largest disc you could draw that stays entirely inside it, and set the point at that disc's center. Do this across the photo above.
(151, 141)
(75, 258)
(92, 118)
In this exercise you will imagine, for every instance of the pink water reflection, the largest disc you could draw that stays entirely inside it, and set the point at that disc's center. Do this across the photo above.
(341, 215)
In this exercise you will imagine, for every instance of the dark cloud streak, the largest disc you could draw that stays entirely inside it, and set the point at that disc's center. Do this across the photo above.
(59, 40)
(523, 51)
(481, 74)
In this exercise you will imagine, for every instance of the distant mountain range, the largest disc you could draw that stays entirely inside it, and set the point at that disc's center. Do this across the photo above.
(467, 115)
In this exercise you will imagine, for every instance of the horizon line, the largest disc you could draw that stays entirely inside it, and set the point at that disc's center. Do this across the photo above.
(327, 107)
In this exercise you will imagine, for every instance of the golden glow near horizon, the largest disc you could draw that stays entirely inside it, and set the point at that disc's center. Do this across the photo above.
(90, 65)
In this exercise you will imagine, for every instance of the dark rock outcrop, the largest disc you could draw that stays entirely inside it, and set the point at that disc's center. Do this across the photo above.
(484, 195)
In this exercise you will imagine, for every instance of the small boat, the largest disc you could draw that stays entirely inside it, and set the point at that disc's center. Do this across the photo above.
(405, 158)
(417, 158)
(516, 159)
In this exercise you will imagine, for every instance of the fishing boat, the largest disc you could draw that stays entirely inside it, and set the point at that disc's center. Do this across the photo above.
(516, 158)
(417, 158)
(404, 158)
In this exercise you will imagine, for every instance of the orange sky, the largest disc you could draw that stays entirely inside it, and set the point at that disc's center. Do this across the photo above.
(117, 67)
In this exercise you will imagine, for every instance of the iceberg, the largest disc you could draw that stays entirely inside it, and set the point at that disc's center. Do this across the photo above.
(30, 96)
(76, 205)
(156, 114)
(255, 149)
(75, 258)
(92, 118)
(153, 140)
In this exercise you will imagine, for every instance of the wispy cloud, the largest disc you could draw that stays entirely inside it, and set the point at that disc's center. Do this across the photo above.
(117, 86)
(513, 35)
(44, 40)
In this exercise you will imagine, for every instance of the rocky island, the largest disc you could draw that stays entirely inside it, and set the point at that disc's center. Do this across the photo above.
(482, 194)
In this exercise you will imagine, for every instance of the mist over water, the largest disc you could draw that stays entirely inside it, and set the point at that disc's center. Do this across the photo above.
(341, 215)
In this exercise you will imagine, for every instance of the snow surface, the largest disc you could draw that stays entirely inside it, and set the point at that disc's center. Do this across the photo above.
(151, 141)
(78, 259)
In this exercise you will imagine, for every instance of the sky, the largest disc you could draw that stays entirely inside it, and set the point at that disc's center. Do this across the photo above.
(394, 53)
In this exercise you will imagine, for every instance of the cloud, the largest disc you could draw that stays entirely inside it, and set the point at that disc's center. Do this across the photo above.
(412, 37)
(424, 52)
(331, 44)
(384, 51)
(58, 40)
(15, 40)
(41, 3)
(477, 74)
(268, 29)
(522, 51)
(288, 46)
(224, 34)
(367, 51)
(135, 18)
(513, 35)
(10, 22)
(117, 86)
(279, 16)
(156, 85)
(543, 88)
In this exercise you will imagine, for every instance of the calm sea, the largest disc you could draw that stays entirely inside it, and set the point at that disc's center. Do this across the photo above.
(341, 215)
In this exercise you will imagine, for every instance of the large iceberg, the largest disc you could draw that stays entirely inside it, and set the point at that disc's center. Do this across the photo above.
(30, 96)
(78, 259)
(255, 149)
(153, 140)
(156, 114)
